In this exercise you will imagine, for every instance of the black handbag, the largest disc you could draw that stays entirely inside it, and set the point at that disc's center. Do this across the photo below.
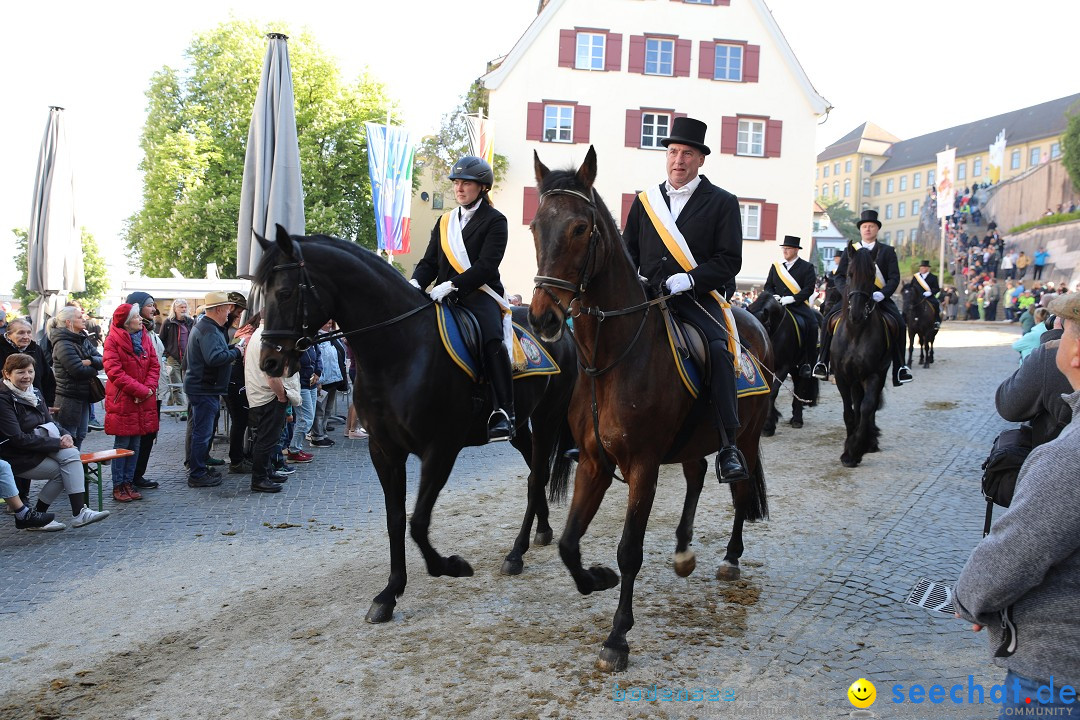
(97, 389)
(1001, 468)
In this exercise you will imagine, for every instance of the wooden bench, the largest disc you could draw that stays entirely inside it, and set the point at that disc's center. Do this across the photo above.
(92, 464)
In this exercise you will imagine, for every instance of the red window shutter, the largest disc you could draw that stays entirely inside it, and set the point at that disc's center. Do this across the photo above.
(534, 124)
(627, 203)
(751, 61)
(581, 123)
(678, 115)
(567, 48)
(529, 202)
(633, 129)
(707, 60)
(636, 62)
(768, 221)
(773, 130)
(729, 135)
(722, 2)
(682, 57)
(613, 52)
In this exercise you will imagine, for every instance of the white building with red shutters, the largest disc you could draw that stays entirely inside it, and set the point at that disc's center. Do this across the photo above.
(615, 73)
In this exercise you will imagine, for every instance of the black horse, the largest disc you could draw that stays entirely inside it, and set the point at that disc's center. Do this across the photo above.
(861, 357)
(921, 317)
(787, 351)
(409, 394)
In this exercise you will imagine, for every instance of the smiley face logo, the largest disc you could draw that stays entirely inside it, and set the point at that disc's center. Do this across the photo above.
(862, 693)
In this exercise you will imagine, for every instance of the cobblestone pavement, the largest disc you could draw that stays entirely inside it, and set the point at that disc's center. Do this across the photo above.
(820, 603)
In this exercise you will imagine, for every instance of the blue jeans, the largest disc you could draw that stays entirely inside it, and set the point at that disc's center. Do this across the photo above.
(1018, 707)
(304, 418)
(123, 469)
(7, 481)
(204, 410)
(74, 416)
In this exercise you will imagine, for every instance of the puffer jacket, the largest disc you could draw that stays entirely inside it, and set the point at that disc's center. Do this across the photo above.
(22, 448)
(69, 349)
(130, 396)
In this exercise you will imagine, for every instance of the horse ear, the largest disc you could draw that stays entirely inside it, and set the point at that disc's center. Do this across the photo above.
(263, 242)
(587, 172)
(284, 240)
(539, 167)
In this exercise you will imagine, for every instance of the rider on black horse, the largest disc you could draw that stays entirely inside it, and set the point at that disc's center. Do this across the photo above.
(927, 282)
(687, 234)
(463, 256)
(887, 282)
(792, 281)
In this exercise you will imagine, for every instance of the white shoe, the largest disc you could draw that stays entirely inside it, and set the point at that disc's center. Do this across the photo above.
(53, 526)
(88, 516)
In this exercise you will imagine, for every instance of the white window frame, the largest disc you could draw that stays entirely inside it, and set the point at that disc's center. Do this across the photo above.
(729, 75)
(590, 49)
(930, 177)
(751, 138)
(900, 235)
(825, 190)
(660, 48)
(826, 173)
(847, 187)
(654, 137)
(836, 168)
(914, 207)
(558, 113)
(916, 180)
(1055, 150)
(961, 171)
(867, 165)
(866, 187)
(836, 188)
(901, 209)
(889, 185)
(1034, 155)
(976, 167)
(1014, 159)
(888, 211)
(903, 183)
(847, 166)
(750, 215)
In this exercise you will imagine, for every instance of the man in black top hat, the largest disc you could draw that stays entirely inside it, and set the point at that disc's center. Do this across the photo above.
(885, 258)
(700, 251)
(926, 282)
(793, 281)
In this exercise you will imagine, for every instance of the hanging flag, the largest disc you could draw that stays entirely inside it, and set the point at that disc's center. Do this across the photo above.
(946, 161)
(997, 157)
(482, 137)
(390, 165)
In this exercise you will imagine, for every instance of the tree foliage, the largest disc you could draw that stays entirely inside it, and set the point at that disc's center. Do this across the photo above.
(1070, 145)
(441, 151)
(94, 269)
(842, 217)
(195, 138)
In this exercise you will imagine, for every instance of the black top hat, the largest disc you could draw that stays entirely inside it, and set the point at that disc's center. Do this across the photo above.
(687, 131)
(792, 242)
(868, 216)
(924, 263)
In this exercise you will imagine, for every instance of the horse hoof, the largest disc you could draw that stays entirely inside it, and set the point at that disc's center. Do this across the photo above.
(848, 462)
(542, 538)
(512, 567)
(611, 660)
(685, 562)
(766, 432)
(796, 424)
(456, 566)
(727, 571)
(603, 578)
(379, 613)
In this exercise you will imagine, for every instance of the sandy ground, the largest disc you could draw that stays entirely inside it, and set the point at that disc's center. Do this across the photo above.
(245, 627)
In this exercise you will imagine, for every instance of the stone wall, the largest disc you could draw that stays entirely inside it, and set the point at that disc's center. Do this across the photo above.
(1027, 197)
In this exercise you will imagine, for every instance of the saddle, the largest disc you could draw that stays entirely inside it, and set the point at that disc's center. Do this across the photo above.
(890, 321)
(460, 335)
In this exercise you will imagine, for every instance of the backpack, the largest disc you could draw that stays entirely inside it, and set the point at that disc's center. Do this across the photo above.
(1001, 468)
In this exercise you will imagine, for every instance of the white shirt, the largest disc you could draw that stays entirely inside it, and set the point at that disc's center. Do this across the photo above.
(466, 215)
(677, 198)
(868, 246)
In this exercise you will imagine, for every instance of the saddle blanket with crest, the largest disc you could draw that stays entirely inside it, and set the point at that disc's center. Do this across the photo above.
(749, 380)
(461, 339)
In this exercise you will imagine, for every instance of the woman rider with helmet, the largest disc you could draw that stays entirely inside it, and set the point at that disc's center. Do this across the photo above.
(462, 259)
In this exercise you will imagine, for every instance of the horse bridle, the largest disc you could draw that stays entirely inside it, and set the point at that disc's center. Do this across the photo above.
(871, 306)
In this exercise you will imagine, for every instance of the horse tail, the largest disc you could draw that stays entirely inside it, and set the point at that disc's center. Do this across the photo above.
(561, 464)
(751, 499)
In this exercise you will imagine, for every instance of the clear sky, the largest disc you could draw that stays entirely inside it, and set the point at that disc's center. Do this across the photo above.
(911, 66)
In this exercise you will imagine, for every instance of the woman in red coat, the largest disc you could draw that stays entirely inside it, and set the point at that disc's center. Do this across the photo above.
(130, 396)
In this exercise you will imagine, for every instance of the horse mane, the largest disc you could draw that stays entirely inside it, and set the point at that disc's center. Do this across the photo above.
(861, 269)
(568, 180)
(370, 260)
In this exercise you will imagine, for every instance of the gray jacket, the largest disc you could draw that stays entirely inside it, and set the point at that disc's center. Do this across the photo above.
(1033, 395)
(1031, 561)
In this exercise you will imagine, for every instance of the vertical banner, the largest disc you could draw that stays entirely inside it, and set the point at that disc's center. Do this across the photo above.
(390, 165)
(482, 137)
(946, 188)
(997, 157)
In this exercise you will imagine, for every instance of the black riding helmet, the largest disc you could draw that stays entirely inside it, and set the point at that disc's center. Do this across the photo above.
(473, 168)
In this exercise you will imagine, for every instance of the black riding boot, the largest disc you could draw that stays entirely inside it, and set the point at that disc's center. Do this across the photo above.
(902, 374)
(821, 368)
(501, 422)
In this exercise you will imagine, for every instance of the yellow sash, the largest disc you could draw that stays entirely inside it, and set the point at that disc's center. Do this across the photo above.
(923, 283)
(788, 280)
(676, 244)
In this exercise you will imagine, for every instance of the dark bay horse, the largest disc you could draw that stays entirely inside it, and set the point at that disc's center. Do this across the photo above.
(629, 411)
(920, 315)
(787, 354)
(409, 394)
(861, 357)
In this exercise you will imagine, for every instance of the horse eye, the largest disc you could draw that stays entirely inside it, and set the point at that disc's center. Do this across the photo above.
(283, 294)
(580, 228)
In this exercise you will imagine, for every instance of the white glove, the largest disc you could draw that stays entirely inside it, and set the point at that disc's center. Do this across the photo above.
(415, 284)
(679, 282)
(878, 297)
(787, 300)
(440, 291)
(778, 298)
(926, 293)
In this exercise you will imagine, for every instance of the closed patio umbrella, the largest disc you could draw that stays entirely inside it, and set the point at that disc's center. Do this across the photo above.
(272, 191)
(54, 243)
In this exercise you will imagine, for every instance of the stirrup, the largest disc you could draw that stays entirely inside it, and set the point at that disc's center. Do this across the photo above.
(500, 426)
(904, 370)
(821, 371)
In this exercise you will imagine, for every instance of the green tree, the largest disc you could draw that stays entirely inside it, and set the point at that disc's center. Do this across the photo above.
(195, 138)
(842, 217)
(441, 151)
(1070, 145)
(94, 270)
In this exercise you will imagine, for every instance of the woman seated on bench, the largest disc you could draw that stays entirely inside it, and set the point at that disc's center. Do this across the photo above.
(35, 446)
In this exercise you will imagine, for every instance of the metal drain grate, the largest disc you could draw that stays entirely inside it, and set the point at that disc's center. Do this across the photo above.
(932, 596)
